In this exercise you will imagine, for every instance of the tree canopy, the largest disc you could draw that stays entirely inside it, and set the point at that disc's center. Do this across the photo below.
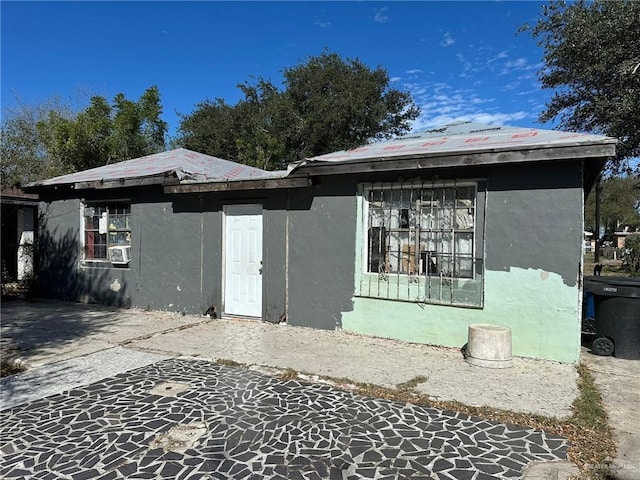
(620, 205)
(50, 139)
(23, 157)
(327, 104)
(592, 61)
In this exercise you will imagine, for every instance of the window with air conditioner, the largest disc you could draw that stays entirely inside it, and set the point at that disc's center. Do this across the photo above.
(120, 254)
(107, 233)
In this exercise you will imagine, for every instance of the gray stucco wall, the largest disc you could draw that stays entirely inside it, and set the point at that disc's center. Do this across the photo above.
(274, 259)
(58, 250)
(176, 255)
(167, 260)
(322, 233)
(535, 219)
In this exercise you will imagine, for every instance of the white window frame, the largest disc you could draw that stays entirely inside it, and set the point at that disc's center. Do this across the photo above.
(403, 278)
(107, 261)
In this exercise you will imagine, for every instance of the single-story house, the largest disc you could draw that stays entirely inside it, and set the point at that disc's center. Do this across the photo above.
(413, 239)
(589, 241)
(19, 212)
(621, 235)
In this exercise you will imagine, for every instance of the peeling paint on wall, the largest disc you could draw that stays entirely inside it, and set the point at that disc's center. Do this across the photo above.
(534, 220)
(115, 286)
(542, 312)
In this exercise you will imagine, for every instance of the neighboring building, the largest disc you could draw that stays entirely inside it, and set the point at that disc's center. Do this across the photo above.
(19, 215)
(622, 235)
(589, 242)
(414, 238)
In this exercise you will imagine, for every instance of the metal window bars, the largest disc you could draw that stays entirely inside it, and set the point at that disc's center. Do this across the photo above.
(420, 240)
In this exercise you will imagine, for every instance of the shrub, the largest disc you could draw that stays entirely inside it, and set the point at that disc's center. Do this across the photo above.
(10, 367)
(632, 247)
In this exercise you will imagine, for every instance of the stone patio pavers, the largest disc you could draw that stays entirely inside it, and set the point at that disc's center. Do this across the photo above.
(226, 422)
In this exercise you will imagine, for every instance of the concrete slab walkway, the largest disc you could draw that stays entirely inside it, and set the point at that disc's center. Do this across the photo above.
(619, 383)
(43, 333)
(71, 345)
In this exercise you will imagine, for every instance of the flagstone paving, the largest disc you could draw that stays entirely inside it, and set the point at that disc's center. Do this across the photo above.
(193, 419)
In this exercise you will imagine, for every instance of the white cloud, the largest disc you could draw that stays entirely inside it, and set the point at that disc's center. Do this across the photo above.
(500, 56)
(415, 89)
(447, 40)
(516, 64)
(498, 118)
(528, 92)
(471, 67)
(380, 17)
(395, 79)
(519, 65)
(511, 86)
(321, 24)
(441, 104)
(413, 71)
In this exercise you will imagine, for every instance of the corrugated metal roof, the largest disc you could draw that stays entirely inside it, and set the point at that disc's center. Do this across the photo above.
(452, 140)
(460, 138)
(186, 165)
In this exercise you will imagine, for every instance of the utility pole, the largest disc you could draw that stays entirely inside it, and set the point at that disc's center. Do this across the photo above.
(596, 255)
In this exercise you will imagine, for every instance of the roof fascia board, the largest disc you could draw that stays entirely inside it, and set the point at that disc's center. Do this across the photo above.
(27, 202)
(239, 185)
(458, 159)
(590, 172)
(124, 182)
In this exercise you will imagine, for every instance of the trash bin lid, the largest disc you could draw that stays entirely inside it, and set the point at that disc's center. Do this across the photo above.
(613, 286)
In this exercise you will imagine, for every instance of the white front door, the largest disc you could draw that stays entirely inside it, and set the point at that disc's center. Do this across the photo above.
(243, 260)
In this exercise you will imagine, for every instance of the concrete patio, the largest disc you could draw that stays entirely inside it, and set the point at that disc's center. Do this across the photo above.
(70, 346)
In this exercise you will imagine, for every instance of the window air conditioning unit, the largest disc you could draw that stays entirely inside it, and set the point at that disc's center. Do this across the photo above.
(120, 255)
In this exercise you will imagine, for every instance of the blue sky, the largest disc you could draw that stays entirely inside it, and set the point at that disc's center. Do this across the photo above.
(459, 60)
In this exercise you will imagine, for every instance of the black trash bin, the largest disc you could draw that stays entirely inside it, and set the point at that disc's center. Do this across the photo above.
(617, 315)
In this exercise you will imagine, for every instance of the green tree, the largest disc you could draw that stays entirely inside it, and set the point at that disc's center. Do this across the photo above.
(23, 156)
(327, 104)
(126, 139)
(105, 133)
(50, 139)
(138, 129)
(620, 204)
(262, 123)
(632, 246)
(154, 129)
(81, 142)
(210, 129)
(592, 61)
(343, 104)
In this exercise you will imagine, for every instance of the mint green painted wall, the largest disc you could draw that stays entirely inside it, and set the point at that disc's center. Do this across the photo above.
(540, 309)
(532, 251)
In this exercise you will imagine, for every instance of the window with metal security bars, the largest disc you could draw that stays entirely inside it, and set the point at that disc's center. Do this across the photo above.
(107, 232)
(422, 242)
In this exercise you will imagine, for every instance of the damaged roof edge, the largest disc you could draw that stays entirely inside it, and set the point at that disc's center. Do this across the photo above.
(182, 170)
(169, 177)
(462, 137)
(454, 159)
(172, 166)
(237, 185)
